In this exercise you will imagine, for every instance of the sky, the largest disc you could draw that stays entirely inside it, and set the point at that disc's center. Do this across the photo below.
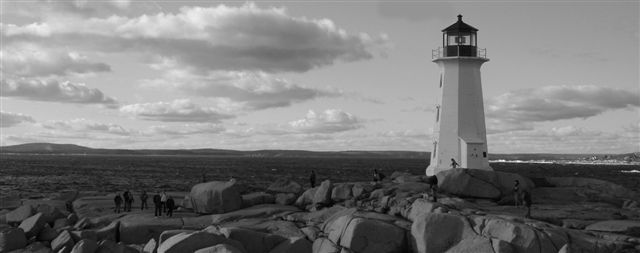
(563, 76)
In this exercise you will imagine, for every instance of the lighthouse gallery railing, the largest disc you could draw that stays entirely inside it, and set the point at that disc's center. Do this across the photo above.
(440, 53)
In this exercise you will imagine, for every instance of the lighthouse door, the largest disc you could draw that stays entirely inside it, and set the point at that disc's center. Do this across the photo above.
(472, 155)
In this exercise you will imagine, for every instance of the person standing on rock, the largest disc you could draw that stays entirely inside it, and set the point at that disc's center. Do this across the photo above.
(312, 179)
(433, 186)
(516, 192)
(454, 164)
(127, 201)
(157, 203)
(377, 176)
(170, 206)
(163, 201)
(118, 202)
(143, 200)
(526, 200)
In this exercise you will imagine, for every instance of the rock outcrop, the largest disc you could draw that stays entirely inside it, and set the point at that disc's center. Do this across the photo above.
(12, 239)
(480, 183)
(285, 185)
(140, 228)
(190, 242)
(215, 197)
(398, 215)
(33, 225)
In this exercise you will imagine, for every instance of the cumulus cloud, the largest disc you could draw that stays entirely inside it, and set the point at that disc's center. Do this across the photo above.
(516, 110)
(181, 110)
(253, 90)
(54, 91)
(9, 119)
(215, 38)
(84, 125)
(26, 59)
(328, 121)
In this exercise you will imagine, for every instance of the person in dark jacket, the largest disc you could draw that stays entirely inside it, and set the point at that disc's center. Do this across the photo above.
(143, 200)
(118, 202)
(526, 201)
(454, 164)
(128, 200)
(433, 186)
(516, 192)
(377, 176)
(312, 178)
(171, 204)
(157, 203)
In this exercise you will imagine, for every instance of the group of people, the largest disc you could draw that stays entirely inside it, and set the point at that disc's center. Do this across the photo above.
(164, 204)
(126, 199)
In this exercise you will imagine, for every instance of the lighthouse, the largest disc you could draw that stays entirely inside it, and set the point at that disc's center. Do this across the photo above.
(459, 134)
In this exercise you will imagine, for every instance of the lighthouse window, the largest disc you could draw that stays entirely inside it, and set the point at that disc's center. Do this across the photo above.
(462, 39)
(435, 147)
(440, 80)
(484, 154)
(437, 113)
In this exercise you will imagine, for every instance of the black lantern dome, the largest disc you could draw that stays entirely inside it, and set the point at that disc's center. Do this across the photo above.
(460, 39)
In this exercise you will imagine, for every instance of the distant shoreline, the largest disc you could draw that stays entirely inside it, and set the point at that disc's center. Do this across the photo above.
(568, 162)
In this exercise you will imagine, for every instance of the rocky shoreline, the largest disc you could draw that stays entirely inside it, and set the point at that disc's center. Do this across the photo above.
(474, 213)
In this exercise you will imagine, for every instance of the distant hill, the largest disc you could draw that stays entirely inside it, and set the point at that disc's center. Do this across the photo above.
(50, 148)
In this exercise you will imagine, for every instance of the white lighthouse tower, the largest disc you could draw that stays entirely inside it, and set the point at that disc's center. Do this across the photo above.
(459, 134)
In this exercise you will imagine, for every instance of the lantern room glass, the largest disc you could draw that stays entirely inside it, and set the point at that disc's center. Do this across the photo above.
(461, 39)
(460, 43)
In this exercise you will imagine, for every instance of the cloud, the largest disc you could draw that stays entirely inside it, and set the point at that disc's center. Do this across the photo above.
(254, 90)
(181, 110)
(518, 109)
(214, 38)
(328, 121)
(54, 91)
(26, 59)
(9, 119)
(186, 129)
(84, 125)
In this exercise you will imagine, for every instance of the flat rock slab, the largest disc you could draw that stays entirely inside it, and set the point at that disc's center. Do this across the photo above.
(627, 227)
(19, 214)
(139, 228)
(264, 210)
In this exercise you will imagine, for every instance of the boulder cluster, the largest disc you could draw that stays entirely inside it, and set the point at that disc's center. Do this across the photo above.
(474, 212)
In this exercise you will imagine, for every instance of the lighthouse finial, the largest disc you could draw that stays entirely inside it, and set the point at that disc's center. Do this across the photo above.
(459, 17)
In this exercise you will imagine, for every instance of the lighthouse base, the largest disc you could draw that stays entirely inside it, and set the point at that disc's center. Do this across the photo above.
(433, 170)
